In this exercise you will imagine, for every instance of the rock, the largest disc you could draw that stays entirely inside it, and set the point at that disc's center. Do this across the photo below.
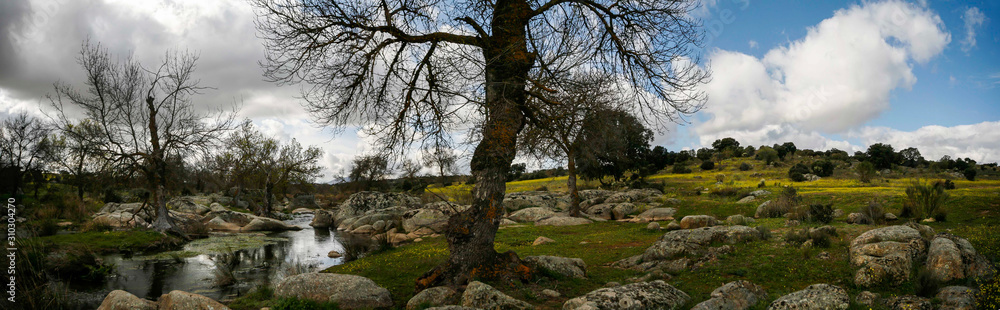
(822, 255)
(532, 214)
(747, 199)
(348, 291)
(867, 298)
(268, 224)
(122, 219)
(237, 218)
(480, 295)
(122, 300)
(302, 211)
(334, 254)
(542, 240)
(215, 207)
(645, 195)
(657, 214)
(217, 224)
(855, 218)
(675, 249)
(838, 213)
(672, 201)
(673, 225)
(811, 177)
(180, 300)
(653, 226)
(434, 296)
(760, 192)
(956, 298)
(321, 219)
(739, 219)
(635, 296)
(563, 221)
(928, 220)
(792, 223)
(363, 203)
(697, 221)
(187, 205)
(885, 255)
(364, 229)
(145, 213)
(736, 295)
(551, 294)
(379, 226)
(507, 222)
(611, 211)
(890, 217)
(432, 219)
(816, 296)
(451, 307)
(612, 284)
(908, 302)
(950, 257)
(521, 200)
(568, 267)
(761, 209)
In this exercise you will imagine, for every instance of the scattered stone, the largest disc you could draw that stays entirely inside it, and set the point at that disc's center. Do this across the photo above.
(747, 199)
(760, 192)
(334, 254)
(928, 220)
(886, 255)
(481, 295)
(432, 219)
(950, 257)
(739, 219)
(838, 213)
(611, 211)
(672, 201)
(434, 296)
(867, 298)
(890, 217)
(348, 291)
(908, 302)
(811, 177)
(823, 255)
(645, 195)
(736, 295)
(673, 225)
(268, 224)
(302, 211)
(551, 294)
(122, 300)
(697, 221)
(180, 300)
(532, 214)
(956, 298)
(658, 214)
(187, 205)
(793, 223)
(855, 218)
(542, 240)
(418, 240)
(653, 226)
(816, 296)
(568, 267)
(563, 221)
(674, 250)
(507, 222)
(761, 209)
(635, 296)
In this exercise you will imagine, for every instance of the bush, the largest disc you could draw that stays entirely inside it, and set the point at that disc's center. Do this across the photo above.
(988, 294)
(823, 168)
(745, 167)
(729, 192)
(970, 173)
(774, 209)
(866, 171)
(680, 168)
(764, 232)
(720, 178)
(820, 213)
(872, 213)
(947, 184)
(707, 165)
(925, 200)
(46, 227)
(819, 237)
(797, 172)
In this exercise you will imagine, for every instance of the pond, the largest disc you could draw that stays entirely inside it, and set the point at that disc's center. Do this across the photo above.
(221, 266)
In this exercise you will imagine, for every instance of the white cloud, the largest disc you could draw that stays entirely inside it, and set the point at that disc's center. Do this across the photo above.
(836, 78)
(973, 18)
(976, 141)
(753, 44)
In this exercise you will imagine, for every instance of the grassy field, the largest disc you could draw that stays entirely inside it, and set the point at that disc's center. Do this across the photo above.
(973, 213)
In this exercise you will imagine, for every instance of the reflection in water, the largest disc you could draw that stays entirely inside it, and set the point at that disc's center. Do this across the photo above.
(296, 252)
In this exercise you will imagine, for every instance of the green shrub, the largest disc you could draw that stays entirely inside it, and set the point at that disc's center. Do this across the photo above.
(988, 294)
(823, 168)
(46, 227)
(680, 168)
(925, 200)
(820, 213)
(707, 165)
(970, 173)
(745, 167)
(797, 172)
(729, 192)
(866, 171)
(947, 184)
(872, 213)
(764, 232)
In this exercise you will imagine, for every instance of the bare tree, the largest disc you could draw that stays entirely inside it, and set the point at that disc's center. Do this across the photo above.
(441, 158)
(25, 147)
(433, 65)
(368, 171)
(558, 133)
(144, 115)
(79, 148)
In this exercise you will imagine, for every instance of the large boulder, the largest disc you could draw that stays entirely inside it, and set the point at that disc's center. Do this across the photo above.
(563, 221)
(122, 219)
(363, 203)
(122, 300)
(697, 221)
(481, 295)
(762, 211)
(433, 297)
(532, 214)
(347, 291)
(321, 219)
(268, 224)
(645, 195)
(950, 257)
(886, 255)
(612, 211)
(657, 214)
(736, 295)
(180, 300)
(956, 298)
(520, 200)
(567, 267)
(432, 219)
(814, 297)
(675, 250)
(145, 213)
(187, 205)
(636, 296)
(239, 219)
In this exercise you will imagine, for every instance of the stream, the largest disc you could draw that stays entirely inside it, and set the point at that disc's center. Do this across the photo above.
(222, 266)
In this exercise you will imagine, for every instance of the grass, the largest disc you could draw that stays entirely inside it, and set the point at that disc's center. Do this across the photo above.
(114, 241)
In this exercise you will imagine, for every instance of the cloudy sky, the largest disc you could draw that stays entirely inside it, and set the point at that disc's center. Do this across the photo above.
(821, 74)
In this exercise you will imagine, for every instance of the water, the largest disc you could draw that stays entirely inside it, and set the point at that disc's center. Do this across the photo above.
(222, 267)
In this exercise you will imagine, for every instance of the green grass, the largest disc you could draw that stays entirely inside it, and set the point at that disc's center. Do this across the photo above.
(114, 241)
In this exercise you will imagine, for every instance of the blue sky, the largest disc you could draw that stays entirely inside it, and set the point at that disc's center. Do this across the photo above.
(821, 74)
(960, 85)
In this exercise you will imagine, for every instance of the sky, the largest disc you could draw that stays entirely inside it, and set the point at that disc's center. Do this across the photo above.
(820, 74)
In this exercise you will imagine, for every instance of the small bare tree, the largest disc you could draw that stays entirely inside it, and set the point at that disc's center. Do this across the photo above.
(25, 147)
(143, 115)
(78, 146)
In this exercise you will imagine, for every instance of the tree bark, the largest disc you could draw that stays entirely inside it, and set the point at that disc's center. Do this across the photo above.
(471, 233)
(574, 195)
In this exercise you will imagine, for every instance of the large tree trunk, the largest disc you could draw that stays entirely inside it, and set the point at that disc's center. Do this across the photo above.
(574, 195)
(471, 233)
